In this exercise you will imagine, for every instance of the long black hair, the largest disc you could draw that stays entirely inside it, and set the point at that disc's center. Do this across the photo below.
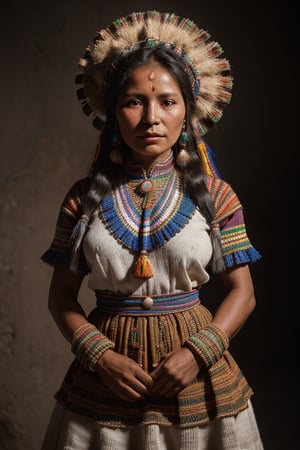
(105, 175)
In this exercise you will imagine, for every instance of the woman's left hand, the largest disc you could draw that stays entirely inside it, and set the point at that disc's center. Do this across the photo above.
(174, 372)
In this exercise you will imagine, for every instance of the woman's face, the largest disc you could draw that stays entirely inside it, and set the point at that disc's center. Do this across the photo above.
(150, 112)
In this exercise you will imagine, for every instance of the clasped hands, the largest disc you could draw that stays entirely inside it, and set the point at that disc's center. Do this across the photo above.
(126, 379)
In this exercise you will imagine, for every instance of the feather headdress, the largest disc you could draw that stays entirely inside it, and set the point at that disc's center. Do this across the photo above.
(209, 73)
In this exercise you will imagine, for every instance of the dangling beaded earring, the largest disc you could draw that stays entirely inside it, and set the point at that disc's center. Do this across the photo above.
(183, 156)
(115, 155)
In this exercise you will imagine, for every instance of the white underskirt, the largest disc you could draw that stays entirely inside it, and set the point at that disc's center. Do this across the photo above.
(68, 431)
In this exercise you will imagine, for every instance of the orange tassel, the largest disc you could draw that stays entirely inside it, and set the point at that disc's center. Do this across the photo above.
(203, 151)
(143, 267)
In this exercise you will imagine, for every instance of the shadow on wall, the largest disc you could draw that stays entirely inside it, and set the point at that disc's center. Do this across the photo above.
(33, 352)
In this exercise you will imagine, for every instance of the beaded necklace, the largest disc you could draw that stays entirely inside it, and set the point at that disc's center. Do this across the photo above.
(147, 211)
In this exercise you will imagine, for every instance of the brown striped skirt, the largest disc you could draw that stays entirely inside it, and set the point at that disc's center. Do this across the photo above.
(221, 391)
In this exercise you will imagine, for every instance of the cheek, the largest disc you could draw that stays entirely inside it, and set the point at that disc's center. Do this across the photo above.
(128, 120)
(177, 115)
(175, 123)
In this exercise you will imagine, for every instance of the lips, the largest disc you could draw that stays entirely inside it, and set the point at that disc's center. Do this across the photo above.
(151, 137)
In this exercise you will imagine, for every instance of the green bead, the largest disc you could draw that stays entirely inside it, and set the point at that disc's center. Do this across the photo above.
(184, 138)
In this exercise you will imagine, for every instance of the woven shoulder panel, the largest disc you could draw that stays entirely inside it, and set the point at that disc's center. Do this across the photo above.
(225, 199)
(73, 200)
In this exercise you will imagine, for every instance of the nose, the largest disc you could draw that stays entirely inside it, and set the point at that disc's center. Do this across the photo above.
(151, 114)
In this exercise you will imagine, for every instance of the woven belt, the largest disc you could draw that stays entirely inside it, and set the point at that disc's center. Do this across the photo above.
(143, 305)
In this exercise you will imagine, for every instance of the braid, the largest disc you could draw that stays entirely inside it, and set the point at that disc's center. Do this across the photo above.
(195, 183)
(103, 177)
(106, 178)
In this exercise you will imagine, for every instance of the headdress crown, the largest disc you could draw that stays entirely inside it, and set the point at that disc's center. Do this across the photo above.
(210, 74)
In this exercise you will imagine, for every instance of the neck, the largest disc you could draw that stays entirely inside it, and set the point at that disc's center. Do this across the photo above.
(148, 162)
(157, 168)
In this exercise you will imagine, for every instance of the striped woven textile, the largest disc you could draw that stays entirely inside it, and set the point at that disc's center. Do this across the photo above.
(237, 247)
(218, 392)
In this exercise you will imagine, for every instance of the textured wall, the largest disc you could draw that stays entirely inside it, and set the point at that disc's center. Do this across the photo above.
(47, 143)
(43, 151)
(32, 352)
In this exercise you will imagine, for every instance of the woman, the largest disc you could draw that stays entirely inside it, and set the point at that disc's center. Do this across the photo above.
(149, 225)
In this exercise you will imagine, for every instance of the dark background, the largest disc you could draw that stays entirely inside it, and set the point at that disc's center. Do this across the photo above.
(46, 144)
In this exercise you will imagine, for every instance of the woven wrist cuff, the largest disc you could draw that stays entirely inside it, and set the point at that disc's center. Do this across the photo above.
(208, 345)
(88, 345)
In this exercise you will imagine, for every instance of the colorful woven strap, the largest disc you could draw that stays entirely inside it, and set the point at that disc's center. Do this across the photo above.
(208, 345)
(146, 305)
(88, 345)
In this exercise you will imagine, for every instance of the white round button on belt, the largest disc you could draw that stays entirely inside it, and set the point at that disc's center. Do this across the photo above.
(147, 303)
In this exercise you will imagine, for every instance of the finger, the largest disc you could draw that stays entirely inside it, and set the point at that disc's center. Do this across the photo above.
(157, 372)
(160, 384)
(127, 393)
(139, 387)
(163, 388)
(145, 379)
(174, 391)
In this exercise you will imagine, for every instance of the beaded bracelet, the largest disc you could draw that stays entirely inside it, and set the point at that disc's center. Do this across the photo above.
(88, 345)
(208, 345)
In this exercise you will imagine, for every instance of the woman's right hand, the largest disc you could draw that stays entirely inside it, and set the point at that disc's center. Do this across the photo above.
(124, 377)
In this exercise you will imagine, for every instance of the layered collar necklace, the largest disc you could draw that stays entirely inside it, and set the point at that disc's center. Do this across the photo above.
(147, 210)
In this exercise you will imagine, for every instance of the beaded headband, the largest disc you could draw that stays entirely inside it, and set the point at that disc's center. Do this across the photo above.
(151, 42)
(209, 74)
